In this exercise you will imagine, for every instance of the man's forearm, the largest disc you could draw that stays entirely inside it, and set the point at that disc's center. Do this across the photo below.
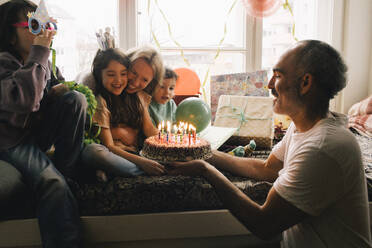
(240, 205)
(247, 167)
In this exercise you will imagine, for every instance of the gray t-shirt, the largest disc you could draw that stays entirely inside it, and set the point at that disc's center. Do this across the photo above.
(323, 176)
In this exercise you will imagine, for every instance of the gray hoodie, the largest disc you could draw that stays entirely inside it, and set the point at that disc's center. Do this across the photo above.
(22, 88)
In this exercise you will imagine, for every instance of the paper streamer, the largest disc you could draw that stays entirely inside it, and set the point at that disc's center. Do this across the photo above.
(179, 45)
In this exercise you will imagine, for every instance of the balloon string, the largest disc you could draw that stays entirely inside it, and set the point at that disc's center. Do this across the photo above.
(286, 5)
(170, 34)
(179, 45)
(152, 31)
(218, 51)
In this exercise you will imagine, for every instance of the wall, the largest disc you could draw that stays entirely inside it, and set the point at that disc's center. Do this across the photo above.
(370, 76)
(357, 50)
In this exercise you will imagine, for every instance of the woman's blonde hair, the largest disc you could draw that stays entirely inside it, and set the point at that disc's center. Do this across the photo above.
(153, 57)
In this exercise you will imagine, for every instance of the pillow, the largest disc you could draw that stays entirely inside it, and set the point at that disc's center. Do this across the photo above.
(363, 107)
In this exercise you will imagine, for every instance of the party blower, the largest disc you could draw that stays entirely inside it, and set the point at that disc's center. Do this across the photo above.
(40, 19)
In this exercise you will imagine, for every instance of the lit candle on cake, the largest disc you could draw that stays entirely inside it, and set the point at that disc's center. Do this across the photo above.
(168, 132)
(193, 129)
(159, 129)
(189, 134)
(180, 129)
(175, 129)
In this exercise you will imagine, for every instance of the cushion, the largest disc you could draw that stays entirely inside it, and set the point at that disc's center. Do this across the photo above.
(363, 107)
(149, 194)
(360, 117)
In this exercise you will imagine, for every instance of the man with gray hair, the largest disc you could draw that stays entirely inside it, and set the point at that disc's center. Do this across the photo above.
(319, 194)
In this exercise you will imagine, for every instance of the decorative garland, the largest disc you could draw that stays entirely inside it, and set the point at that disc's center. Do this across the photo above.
(92, 130)
(285, 5)
(203, 85)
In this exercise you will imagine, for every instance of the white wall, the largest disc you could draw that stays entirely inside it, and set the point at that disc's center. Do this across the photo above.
(370, 76)
(357, 50)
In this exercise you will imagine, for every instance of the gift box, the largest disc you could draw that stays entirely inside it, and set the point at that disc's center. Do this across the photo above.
(238, 84)
(252, 115)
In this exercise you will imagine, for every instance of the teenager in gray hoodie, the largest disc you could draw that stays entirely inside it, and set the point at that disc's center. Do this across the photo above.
(37, 112)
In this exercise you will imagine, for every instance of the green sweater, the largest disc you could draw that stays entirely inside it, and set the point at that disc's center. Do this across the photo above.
(160, 112)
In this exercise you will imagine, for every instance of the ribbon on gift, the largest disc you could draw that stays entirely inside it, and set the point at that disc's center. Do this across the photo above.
(240, 115)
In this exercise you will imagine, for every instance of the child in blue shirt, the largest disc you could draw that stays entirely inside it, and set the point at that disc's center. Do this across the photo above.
(162, 106)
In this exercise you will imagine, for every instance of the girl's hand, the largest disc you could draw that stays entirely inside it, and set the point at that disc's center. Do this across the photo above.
(144, 98)
(127, 135)
(56, 92)
(59, 90)
(125, 147)
(44, 38)
(152, 168)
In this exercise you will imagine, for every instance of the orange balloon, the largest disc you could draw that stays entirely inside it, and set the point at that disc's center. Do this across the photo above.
(188, 82)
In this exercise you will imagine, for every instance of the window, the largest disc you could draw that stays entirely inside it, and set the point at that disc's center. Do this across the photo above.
(281, 24)
(196, 29)
(76, 41)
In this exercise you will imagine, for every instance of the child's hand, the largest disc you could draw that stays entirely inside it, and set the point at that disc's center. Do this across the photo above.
(55, 92)
(152, 168)
(59, 90)
(144, 98)
(125, 147)
(127, 135)
(44, 38)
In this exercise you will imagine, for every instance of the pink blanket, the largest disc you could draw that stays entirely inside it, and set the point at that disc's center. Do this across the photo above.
(360, 116)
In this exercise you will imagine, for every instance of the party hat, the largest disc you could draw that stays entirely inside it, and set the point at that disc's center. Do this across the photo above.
(42, 12)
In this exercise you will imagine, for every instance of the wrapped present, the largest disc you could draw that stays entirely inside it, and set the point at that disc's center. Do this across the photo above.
(252, 115)
(281, 124)
(239, 84)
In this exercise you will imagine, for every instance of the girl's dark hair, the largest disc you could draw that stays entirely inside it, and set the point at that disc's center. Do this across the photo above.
(10, 13)
(125, 108)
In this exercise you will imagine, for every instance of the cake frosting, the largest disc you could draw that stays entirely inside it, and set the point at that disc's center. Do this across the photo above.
(185, 150)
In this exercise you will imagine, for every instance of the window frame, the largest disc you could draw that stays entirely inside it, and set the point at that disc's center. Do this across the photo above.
(330, 28)
(128, 24)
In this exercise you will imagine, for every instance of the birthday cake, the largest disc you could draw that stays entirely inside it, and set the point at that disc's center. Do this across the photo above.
(160, 149)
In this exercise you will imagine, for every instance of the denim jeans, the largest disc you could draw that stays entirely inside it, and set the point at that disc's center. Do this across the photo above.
(57, 210)
(99, 157)
(15, 197)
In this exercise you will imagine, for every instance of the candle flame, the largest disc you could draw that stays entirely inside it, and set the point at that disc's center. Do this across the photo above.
(168, 126)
